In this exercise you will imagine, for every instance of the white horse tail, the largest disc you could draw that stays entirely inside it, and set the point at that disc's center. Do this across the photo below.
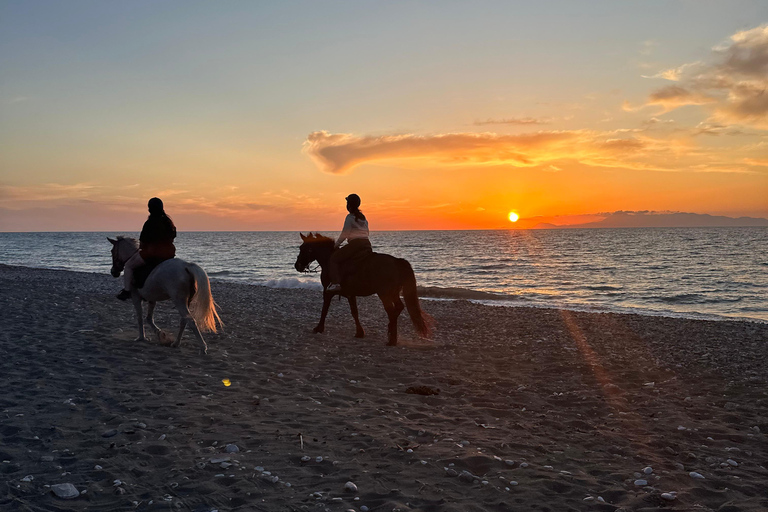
(202, 306)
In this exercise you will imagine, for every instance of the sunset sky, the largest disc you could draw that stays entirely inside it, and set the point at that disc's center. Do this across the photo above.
(441, 115)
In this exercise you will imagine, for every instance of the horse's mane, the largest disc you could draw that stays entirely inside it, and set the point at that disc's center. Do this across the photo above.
(128, 239)
(317, 238)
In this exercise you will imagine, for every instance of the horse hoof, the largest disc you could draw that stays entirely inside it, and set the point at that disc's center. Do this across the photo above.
(392, 343)
(141, 339)
(359, 335)
(318, 330)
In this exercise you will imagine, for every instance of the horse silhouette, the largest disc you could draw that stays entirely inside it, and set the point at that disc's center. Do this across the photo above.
(380, 274)
(186, 284)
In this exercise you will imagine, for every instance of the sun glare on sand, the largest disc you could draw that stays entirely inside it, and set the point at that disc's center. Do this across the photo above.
(513, 217)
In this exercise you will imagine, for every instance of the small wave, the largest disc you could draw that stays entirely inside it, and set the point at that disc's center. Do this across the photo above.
(220, 273)
(604, 288)
(291, 282)
(684, 298)
(459, 293)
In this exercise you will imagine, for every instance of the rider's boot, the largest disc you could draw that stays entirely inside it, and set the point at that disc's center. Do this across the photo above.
(124, 295)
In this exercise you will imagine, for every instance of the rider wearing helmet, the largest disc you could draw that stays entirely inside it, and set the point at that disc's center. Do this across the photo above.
(155, 242)
(355, 231)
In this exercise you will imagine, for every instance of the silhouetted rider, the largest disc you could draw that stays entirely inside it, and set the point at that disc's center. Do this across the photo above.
(155, 242)
(355, 231)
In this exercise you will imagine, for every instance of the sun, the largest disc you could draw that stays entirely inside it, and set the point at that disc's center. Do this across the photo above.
(513, 217)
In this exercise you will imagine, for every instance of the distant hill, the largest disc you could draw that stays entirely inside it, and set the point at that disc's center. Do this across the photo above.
(649, 219)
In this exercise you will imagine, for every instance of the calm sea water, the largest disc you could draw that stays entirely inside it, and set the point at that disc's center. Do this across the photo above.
(697, 272)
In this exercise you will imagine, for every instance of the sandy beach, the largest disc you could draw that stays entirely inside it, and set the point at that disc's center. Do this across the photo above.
(530, 409)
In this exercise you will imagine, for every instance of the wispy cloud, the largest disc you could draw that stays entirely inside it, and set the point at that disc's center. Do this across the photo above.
(630, 149)
(732, 82)
(522, 121)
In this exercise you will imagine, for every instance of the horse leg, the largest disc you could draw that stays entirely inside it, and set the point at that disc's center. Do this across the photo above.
(392, 314)
(359, 332)
(139, 316)
(151, 320)
(398, 307)
(188, 320)
(327, 297)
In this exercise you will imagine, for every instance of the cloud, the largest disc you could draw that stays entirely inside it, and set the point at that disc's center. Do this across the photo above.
(732, 83)
(522, 121)
(340, 153)
(630, 149)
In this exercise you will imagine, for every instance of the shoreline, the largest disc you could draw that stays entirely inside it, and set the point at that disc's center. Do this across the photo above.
(484, 298)
(578, 403)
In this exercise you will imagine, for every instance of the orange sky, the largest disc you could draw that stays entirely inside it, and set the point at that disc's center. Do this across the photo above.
(438, 120)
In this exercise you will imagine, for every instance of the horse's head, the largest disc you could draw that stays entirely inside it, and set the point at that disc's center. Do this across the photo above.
(122, 249)
(314, 248)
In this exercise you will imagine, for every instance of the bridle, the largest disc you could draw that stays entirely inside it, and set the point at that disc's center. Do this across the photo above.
(117, 263)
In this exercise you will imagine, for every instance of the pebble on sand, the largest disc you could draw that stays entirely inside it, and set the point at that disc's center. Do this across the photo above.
(350, 487)
(669, 496)
(694, 474)
(640, 482)
(232, 448)
(65, 491)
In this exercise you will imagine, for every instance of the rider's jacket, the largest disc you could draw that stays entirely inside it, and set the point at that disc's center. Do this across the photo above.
(157, 237)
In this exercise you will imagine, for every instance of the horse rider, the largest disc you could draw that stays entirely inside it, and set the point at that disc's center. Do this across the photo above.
(155, 243)
(355, 231)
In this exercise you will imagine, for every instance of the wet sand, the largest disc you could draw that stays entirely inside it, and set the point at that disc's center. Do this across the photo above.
(534, 409)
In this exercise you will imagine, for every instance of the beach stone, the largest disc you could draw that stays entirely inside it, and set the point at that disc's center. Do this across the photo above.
(28, 478)
(350, 487)
(648, 470)
(513, 482)
(466, 476)
(694, 474)
(232, 448)
(109, 433)
(219, 460)
(65, 491)
(363, 508)
(509, 462)
(306, 458)
(641, 482)
(732, 463)
(669, 496)
(318, 459)
(47, 458)
(679, 466)
(523, 464)
(451, 472)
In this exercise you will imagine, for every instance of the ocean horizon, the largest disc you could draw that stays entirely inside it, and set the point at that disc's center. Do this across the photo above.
(709, 273)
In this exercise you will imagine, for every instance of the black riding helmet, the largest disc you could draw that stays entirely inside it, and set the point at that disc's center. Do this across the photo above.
(353, 200)
(155, 206)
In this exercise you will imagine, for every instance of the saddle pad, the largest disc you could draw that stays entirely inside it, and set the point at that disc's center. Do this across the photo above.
(141, 274)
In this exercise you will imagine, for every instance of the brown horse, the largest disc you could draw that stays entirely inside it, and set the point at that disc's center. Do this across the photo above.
(382, 274)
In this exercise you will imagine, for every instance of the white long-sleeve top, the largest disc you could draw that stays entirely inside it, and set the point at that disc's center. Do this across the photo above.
(353, 229)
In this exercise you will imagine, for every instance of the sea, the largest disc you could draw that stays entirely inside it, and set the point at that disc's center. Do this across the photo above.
(705, 273)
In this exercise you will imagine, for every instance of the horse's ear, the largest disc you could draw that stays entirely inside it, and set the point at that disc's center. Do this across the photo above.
(303, 237)
(112, 241)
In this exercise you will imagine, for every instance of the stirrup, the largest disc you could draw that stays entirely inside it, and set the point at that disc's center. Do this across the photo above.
(333, 287)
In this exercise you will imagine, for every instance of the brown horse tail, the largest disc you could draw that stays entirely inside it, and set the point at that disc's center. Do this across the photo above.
(203, 308)
(421, 320)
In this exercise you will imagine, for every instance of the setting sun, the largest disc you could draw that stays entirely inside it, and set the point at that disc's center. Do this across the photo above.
(513, 217)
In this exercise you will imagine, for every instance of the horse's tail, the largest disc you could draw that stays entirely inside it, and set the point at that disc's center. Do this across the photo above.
(203, 308)
(421, 320)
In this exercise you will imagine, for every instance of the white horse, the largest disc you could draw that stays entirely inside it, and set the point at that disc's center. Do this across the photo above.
(186, 284)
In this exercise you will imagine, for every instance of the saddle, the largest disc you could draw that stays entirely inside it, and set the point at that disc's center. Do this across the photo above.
(141, 273)
(350, 267)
